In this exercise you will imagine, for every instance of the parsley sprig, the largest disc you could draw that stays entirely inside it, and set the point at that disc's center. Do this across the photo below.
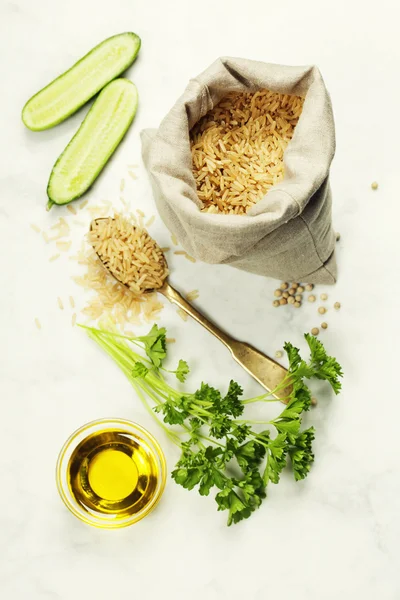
(220, 450)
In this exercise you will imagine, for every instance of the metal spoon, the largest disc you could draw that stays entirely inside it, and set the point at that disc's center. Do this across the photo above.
(264, 370)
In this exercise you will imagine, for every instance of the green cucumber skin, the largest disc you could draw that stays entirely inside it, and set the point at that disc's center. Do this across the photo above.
(52, 198)
(85, 97)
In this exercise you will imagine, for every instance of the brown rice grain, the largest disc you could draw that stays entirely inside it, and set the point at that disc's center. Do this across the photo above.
(150, 221)
(193, 295)
(182, 314)
(54, 257)
(35, 228)
(38, 323)
(63, 246)
(191, 258)
(73, 319)
(72, 302)
(71, 209)
(60, 303)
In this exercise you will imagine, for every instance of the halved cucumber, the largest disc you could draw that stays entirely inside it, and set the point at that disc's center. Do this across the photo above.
(89, 150)
(63, 96)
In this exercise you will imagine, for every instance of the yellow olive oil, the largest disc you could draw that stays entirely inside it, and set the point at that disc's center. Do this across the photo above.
(112, 472)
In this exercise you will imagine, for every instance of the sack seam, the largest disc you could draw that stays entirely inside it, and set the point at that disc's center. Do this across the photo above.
(323, 265)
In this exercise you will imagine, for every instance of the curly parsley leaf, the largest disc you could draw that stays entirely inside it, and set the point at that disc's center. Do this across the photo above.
(155, 345)
(182, 371)
(139, 370)
(277, 458)
(301, 453)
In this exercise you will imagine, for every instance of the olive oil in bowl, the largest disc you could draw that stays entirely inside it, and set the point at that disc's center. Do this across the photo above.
(111, 473)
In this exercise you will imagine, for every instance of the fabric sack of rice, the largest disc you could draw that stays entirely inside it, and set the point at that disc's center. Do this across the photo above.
(240, 169)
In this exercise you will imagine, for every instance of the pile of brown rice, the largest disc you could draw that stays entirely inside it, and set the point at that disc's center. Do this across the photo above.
(107, 301)
(131, 255)
(238, 146)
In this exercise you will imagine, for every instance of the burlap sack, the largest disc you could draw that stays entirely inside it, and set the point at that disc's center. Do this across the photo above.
(288, 234)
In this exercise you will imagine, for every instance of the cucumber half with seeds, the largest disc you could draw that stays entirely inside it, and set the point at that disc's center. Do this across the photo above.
(66, 94)
(89, 150)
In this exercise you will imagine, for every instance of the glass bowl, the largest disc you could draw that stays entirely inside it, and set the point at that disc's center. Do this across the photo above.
(77, 461)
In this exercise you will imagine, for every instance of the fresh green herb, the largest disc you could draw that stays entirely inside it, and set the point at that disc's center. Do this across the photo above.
(220, 450)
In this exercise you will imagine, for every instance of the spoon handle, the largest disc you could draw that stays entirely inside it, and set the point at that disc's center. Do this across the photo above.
(265, 370)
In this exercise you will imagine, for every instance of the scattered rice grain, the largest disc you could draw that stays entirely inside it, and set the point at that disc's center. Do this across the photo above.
(38, 323)
(122, 185)
(60, 303)
(63, 246)
(71, 209)
(174, 240)
(83, 204)
(73, 319)
(35, 228)
(150, 221)
(170, 340)
(54, 257)
(72, 302)
(193, 295)
(191, 258)
(182, 314)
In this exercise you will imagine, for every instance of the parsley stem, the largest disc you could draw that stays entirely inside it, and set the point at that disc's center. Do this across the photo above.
(173, 436)
(261, 398)
(252, 422)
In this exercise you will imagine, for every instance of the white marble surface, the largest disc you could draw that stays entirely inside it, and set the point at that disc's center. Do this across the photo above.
(334, 535)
